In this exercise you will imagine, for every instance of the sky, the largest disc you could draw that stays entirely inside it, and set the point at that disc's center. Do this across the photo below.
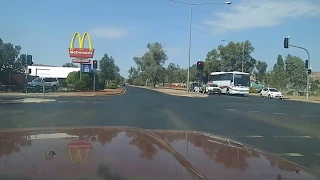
(122, 28)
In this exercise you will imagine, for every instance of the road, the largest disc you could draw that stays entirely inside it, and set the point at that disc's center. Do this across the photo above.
(287, 128)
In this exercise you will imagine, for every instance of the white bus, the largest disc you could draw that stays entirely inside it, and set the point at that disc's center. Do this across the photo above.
(231, 82)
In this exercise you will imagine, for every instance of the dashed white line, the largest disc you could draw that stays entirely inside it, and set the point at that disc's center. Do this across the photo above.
(317, 154)
(254, 111)
(289, 154)
(292, 136)
(62, 101)
(230, 109)
(307, 116)
(97, 102)
(279, 113)
(80, 101)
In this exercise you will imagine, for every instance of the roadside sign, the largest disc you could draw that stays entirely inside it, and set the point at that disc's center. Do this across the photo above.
(86, 68)
(80, 60)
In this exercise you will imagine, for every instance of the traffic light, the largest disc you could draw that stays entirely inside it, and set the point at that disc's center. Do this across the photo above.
(95, 64)
(306, 64)
(200, 65)
(309, 71)
(29, 60)
(286, 43)
(23, 58)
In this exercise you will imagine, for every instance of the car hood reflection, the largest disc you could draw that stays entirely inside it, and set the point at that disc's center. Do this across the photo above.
(130, 153)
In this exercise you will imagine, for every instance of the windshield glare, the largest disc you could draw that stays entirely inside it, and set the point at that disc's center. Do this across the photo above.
(37, 80)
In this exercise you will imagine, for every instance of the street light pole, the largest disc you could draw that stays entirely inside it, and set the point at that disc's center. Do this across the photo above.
(189, 61)
(190, 31)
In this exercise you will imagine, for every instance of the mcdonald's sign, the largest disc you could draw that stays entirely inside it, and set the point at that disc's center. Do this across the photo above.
(81, 52)
(78, 151)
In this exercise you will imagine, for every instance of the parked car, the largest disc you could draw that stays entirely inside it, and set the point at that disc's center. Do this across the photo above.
(213, 89)
(48, 83)
(271, 93)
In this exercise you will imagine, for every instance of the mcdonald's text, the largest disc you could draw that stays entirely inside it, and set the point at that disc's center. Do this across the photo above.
(81, 53)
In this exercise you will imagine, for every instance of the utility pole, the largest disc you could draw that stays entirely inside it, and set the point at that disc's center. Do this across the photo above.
(242, 56)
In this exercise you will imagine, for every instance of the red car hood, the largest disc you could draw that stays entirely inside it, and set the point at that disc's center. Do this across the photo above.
(131, 154)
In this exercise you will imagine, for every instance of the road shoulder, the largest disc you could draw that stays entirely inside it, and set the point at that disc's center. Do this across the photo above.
(291, 98)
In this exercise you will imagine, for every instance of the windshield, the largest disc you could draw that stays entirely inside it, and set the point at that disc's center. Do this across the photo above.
(213, 85)
(273, 90)
(37, 80)
(242, 80)
(110, 64)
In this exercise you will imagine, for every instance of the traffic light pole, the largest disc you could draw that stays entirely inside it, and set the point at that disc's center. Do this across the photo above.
(307, 68)
(94, 81)
(26, 69)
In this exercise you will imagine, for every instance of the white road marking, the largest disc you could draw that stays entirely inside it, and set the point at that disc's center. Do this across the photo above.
(288, 154)
(80, 101)
(230, 109)
(279, 113)
(307, 116)
(97, 102)
(254, 111)
(62, 101)
(292, 136)
(317, 154)
(247, 136)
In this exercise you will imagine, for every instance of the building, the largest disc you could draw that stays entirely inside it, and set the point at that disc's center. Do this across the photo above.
(50, 71)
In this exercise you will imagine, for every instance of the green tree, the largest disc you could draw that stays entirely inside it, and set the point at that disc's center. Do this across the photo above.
(278, 77)
(231, 56)
(9, 61)
(69, 65)
(108, 69)
(296, 72)
(150, 65)
(260, 72)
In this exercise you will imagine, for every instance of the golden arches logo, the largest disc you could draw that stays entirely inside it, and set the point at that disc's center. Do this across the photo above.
(79, 156)
(81, 52)
(81, 40)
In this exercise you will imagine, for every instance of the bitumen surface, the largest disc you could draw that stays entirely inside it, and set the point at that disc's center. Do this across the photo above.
(289, 129)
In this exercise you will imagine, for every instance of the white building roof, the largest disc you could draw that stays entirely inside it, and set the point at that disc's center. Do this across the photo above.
(52, 72)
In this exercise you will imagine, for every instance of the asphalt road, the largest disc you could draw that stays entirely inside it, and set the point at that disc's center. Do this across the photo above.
(289, 129)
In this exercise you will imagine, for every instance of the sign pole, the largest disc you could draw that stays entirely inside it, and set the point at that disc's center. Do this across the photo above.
(80, 70)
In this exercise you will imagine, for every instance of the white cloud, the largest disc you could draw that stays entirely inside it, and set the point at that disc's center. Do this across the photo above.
(261, 13)
(109, 32)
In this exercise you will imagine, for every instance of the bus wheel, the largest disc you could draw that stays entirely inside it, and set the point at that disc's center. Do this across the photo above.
(228, 93)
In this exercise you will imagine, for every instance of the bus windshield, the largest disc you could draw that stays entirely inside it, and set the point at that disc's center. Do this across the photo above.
(242, 80)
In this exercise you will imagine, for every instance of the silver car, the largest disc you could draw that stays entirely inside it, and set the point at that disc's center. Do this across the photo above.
(49, 83)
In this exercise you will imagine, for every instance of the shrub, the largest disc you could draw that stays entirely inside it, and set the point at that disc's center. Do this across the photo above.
(253, 90)
(80, 86)
(112, 86)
